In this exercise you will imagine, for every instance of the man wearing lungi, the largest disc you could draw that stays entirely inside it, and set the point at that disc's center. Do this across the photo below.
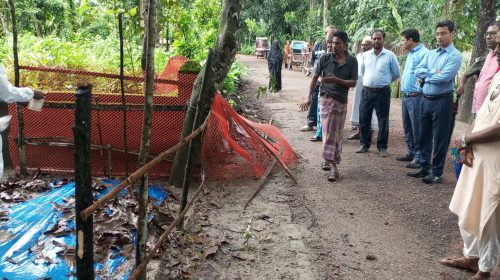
(339, 72)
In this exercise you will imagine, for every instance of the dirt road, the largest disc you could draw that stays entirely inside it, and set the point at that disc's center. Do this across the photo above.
(374, 223)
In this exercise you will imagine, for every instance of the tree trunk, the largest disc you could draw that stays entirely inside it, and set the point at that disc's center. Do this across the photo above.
(325, 13)
(224, 54)
(148, 60)
(486, 16)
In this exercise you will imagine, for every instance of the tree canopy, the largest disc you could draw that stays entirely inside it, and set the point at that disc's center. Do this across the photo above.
(302, 20)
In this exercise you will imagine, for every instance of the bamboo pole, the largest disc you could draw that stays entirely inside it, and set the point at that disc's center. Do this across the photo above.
(142, 170)
(202, 88)
(263, 180)
(138, 270)
(122, 89)
(265, 144)
(148, 59)
(84, 254)
(19, 109)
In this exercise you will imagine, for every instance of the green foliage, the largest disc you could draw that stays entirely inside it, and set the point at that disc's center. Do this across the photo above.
(190, 66)
(195, 28)
(232, 80)
(302, 20)
(96, 53)
(248, 49)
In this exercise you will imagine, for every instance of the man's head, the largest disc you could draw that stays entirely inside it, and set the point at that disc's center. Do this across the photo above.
(329, 30)
(378, 36)
(497, 49)
(339, 41)
(410, 39)
(445, 30)
(329, 42)
(490, 34)
(366, 44)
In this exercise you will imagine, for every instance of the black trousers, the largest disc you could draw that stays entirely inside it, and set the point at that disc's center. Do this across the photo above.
(435, 128)
(381, 102)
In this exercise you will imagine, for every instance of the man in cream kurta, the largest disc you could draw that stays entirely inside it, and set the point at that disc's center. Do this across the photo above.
(477, 194)
(11, 94)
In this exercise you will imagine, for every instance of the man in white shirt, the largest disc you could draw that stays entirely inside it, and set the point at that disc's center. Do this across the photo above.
(11, 94)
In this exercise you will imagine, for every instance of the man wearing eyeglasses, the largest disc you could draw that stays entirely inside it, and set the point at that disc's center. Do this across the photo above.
(485, 67)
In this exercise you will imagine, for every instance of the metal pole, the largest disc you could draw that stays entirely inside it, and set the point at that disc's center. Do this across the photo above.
(19, 109)
(84, 253)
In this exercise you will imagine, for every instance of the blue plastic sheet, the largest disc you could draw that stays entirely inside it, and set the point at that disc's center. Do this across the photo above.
(27, 253)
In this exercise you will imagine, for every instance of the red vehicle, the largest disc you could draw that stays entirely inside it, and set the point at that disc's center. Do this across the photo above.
(261, 47)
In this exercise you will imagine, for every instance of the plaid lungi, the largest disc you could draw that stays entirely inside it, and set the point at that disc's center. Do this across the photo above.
(332, 115)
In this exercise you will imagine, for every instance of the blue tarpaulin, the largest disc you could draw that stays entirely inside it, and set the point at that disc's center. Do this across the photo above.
(26, 252)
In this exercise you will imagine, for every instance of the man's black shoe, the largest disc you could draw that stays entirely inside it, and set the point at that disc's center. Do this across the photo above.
(431, 179)
(361, 149)
(413, 164)
(405, 158)
(419, 174)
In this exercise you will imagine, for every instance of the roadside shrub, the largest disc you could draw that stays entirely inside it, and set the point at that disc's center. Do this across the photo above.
(247, 49)
(232, 80)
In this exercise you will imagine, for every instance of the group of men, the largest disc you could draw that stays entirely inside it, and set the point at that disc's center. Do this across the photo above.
(427, 86)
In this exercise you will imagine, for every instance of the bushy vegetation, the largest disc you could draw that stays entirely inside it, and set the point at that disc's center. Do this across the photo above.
(84, 34)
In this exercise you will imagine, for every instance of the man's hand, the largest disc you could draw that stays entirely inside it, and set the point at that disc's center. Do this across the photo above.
(421, 82)
(460, 90)
(331, 78)
(304, 106)
(38, 95)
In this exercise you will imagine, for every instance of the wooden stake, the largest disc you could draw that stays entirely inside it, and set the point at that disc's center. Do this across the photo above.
(148, 59)
(262, 180)
(122, 89)
(137, 271)
(20, 116)
(83, 183)
(204, 88)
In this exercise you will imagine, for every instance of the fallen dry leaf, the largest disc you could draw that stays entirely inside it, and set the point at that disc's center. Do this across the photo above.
(210, 251)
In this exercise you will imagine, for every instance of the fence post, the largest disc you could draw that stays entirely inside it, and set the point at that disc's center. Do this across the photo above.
(84, 253)
(20, 118)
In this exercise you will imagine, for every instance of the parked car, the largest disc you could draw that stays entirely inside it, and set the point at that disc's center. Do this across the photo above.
(261, 47)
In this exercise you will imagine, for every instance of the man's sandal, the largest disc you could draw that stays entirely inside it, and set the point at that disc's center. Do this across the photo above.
(325, 166)
(333, 176)
(461, 263)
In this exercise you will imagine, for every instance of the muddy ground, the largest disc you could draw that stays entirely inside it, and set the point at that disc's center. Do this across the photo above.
(374, 223)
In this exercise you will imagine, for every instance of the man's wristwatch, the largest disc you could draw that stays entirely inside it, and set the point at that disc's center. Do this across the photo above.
(463, 142)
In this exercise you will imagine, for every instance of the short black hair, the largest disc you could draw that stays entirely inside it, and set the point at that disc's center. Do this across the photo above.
(446, 23)
(495, 23)
(379, 30)
(411, 34)
(342, 36)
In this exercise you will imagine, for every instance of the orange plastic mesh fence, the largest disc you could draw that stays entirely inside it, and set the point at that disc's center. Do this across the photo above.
(231, 147)
(49, 133)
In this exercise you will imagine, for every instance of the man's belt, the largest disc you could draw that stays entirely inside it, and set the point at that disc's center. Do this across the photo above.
(438, 96)
(412, 94)
(375, 90)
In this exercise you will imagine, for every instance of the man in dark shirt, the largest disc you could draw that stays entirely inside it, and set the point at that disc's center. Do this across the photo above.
(339, 72)
(318, 50)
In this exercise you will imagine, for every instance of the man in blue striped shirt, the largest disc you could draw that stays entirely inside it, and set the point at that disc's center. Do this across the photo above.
(437, 73)
(412, 95)
(379, 69)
